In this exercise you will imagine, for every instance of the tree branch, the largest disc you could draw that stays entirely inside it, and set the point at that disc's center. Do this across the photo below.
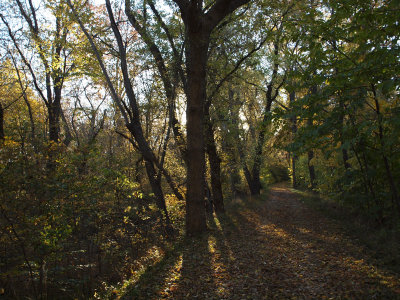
(220, 10)
(10, 33)
(113, 92)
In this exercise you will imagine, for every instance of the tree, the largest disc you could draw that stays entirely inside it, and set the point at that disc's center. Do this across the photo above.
(130, 111)
(52, 53)
(198, 27)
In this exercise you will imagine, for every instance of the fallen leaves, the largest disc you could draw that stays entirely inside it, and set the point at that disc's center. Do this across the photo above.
(277, 249)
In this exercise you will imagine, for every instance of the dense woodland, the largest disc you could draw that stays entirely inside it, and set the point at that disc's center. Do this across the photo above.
(126, 125)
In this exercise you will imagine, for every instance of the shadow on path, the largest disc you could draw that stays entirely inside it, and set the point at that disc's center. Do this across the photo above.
(269, 248)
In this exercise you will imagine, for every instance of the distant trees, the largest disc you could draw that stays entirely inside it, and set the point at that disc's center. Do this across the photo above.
(50, 65)
(341, 92)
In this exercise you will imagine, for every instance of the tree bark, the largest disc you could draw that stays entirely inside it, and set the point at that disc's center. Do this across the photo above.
(310, 154)
(196, 60)
(293, 120)
(228, 146)
(54, 121)
(137, 132)
(2, 136)
(294, 175)
(198, 27)
(389, 174)
(157, 190)
(215, 165)
(255, 188)
(311, 168)
(345, 155)
(53, 110)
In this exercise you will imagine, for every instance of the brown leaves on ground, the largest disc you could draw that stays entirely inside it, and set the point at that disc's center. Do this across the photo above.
(275, 248)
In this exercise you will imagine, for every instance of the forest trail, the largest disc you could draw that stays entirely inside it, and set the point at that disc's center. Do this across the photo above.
(270, 248)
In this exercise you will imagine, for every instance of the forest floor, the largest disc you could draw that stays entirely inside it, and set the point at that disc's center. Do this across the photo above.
(271, 247)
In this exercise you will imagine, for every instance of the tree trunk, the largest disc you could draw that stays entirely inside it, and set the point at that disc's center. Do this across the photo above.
(293, 119)
(198, 27)
(196, 60)
(149, 159)
(389, 174)
(215, 164)
(310, 153)
(2, 136)
(311, 169)
(246, 171)
(255, 186)
(256, 183)
(294, 178)
(54, 121)
(345, 157)
(157, 190)
(53, 110)
(216, 187)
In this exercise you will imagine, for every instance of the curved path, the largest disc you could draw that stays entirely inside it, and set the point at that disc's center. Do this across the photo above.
(276, 248)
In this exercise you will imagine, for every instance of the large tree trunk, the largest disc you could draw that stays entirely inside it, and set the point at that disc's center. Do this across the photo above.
(54, 111)
(198, 27)
(53, 125)
(196, 60)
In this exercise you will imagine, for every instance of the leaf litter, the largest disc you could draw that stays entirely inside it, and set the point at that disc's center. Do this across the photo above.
(272, 247)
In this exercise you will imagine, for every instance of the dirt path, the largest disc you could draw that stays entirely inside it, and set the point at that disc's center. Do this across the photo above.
(270, 249)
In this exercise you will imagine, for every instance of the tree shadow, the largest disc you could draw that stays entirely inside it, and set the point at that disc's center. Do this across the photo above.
(274, 248)
(297, 255)
(178, 274)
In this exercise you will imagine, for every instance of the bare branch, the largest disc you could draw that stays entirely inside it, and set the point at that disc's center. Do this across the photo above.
(235, 68)
(113, 92)
(38, 89)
